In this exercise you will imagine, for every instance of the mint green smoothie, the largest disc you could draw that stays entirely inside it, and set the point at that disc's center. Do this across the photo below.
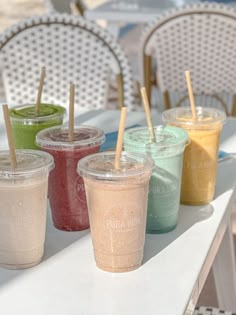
(26, 123)
(165, 183)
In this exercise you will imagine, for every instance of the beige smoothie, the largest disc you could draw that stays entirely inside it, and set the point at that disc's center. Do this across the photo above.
(200, 157)
(23, 195)
(117, 204)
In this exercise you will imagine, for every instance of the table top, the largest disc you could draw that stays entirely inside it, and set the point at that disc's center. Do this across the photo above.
(137, 11)
(172, 273)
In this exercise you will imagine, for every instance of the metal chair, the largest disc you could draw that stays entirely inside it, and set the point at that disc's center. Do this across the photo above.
(210, 311)
(199, 37)
(72, 49)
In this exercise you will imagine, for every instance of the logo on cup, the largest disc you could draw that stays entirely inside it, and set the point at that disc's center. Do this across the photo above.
(80, 190)
(163, 188)
(18, 213)
(123, 217)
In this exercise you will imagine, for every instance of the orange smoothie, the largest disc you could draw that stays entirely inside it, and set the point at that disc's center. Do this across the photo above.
(200, 157)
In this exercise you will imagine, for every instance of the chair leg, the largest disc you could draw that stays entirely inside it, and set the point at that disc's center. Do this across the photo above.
(120, 89)
(166, 99)
(79, 7)
(233, 113)
(147, 76)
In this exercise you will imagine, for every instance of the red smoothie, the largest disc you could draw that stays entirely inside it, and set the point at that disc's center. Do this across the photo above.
(66, 188)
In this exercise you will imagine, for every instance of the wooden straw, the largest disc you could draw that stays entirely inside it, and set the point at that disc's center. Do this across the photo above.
(190, 93)
(9, 136)
(148, 114)
(120, 137)
(71, 112)
(40, 90)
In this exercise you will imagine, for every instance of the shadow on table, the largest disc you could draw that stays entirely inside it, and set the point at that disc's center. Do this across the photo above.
(188, 216)
(55, 242)
(226, 176)
(228, 131)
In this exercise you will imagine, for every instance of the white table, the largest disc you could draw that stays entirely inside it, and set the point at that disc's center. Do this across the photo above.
(174, 269)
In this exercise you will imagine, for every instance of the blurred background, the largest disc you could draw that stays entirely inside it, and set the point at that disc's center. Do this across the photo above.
(12, 11)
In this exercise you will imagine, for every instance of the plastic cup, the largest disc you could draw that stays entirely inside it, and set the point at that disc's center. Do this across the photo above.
(165, 183)
(117, 204)
(26, 123)
(66, 188)
(200, 157)
(23, 195)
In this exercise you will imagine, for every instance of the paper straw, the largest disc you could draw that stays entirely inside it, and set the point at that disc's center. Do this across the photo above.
(120, 137)
(71, 112)
(40, 90)
(190, 93)
(148, 114)
(9, 136)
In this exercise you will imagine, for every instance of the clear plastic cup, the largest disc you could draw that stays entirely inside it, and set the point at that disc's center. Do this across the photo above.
(165, 183)
(200, 157)
(23, 195)
(66, 188)
(117, 205)
(26, 123)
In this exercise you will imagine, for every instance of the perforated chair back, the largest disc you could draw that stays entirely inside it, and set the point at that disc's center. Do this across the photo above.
(73, 50)
(199, 37)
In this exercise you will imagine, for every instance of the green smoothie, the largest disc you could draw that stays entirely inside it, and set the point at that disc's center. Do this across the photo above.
(165, 184)
(26, 123)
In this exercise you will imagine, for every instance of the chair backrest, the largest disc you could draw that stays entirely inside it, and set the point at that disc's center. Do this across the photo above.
(199, 37)
(73, 50)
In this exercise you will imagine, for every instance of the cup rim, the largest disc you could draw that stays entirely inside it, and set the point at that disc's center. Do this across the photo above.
(46, 165)
(97, 139)
(181, 140)
(216, 114)
(84, 170)
(32, 120)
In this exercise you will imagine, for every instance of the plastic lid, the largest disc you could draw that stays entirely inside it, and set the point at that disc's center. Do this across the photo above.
(166, 136)
(182, 117)
(101, 166)
(25, 114)
(56, 138)
(29, 163)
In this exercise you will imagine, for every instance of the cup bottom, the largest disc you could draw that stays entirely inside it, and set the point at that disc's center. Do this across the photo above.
(20, 266)
(71, 223)
(195, 203)
(118, 263)
(110, 269)
(70, 228)
(196, 198)
(161, 231)
(21, 259)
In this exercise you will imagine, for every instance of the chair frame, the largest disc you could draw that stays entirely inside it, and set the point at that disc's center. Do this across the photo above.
(147, 59)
